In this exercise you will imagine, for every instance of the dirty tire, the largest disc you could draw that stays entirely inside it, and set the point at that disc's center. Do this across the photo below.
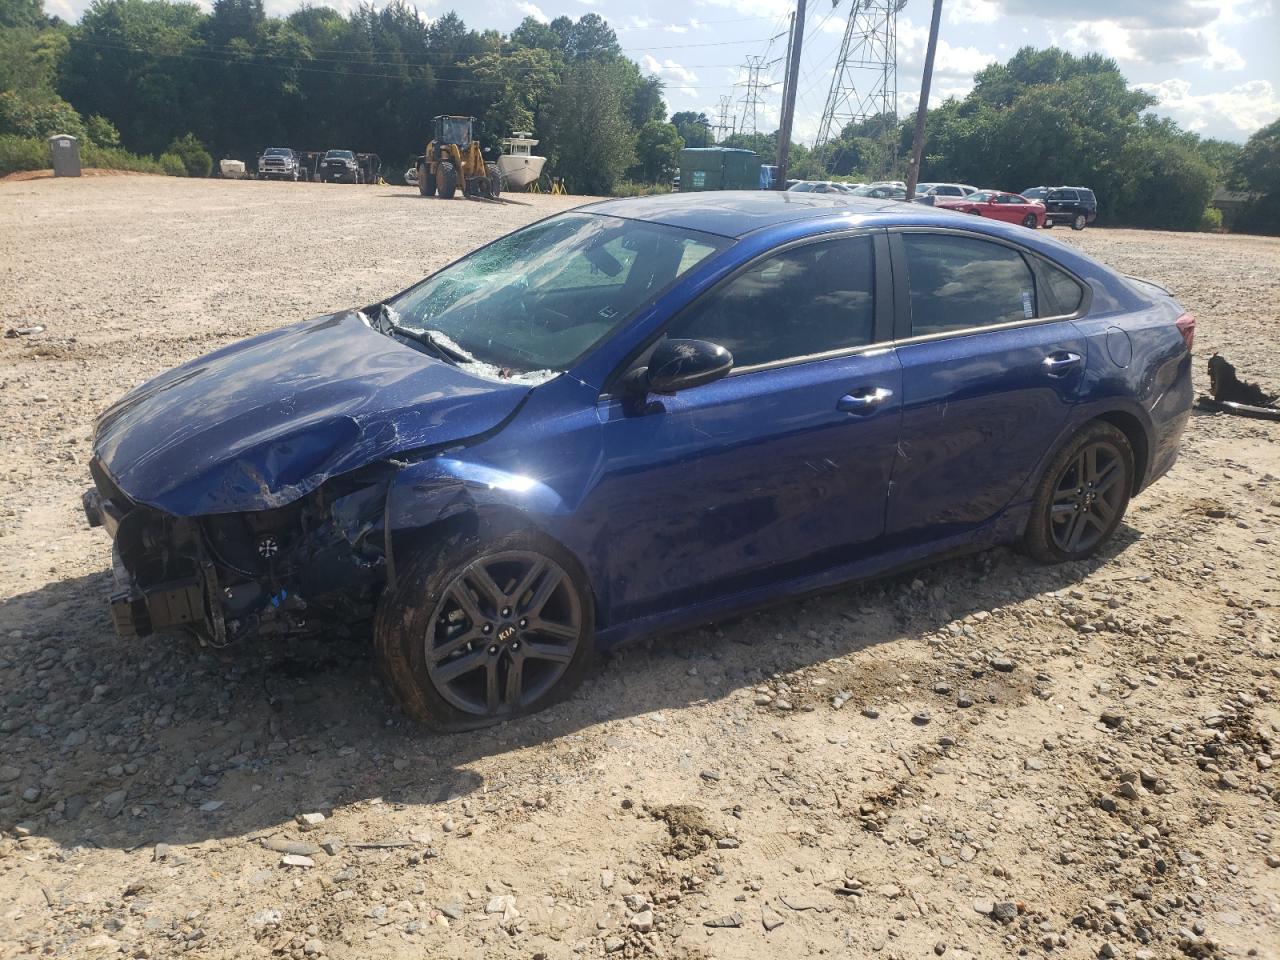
(1029, 221)
(446, 180)
(1105, 449)
(426, 184)
(412, 614)
(1078, 221)
(495, 180)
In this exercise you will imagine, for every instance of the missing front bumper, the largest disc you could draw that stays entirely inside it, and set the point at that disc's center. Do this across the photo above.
(139, 613)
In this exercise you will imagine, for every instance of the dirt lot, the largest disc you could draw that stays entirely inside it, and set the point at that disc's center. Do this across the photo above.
(986, 758)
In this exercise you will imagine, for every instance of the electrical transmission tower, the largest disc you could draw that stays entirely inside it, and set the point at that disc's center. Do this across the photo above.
(751, 100)
(724, 118)
(865, 83)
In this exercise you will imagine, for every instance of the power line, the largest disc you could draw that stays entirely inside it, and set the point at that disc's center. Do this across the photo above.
(306, 65)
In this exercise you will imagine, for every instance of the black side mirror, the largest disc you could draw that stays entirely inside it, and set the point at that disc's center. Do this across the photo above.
(680, 364)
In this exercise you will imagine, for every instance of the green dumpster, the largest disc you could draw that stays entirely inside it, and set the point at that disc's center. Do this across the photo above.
(719, 168)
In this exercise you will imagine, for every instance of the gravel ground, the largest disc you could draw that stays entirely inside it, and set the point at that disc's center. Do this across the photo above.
(984, 758)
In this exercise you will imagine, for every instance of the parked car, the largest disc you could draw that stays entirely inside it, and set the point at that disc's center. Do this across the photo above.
(881, 191)
(340, 166)
(632, 417)
(1011, 207)
(1074, 205)
(278, 163)
(926, 193)
(819, 186)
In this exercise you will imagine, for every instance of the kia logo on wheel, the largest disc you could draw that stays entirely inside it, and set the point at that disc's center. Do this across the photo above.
(506, 633)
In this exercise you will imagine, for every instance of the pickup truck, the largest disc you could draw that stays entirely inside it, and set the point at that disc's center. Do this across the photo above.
(278, 163)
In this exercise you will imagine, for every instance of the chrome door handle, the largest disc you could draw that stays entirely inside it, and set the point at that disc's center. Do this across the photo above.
(863, 401)
(1061, 363)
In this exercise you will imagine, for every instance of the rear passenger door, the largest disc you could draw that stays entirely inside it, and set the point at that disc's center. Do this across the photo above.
(991, 364)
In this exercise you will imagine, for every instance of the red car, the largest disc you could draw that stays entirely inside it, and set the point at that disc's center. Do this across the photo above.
(1012, 207)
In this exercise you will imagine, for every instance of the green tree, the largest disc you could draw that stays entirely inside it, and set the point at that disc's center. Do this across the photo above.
(592, 142)
(658, 147)
(694, 128)
(22, 13)
(1257, 169)
(195, 158)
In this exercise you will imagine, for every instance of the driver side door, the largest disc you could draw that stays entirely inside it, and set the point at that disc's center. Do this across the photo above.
(778, 471)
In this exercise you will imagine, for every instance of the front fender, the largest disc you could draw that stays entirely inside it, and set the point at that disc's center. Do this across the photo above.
(429, 497)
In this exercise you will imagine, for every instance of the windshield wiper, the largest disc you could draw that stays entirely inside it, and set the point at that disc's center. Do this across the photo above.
(385, 323)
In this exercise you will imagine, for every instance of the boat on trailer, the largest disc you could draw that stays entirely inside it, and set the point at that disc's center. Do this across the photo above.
(518, 164)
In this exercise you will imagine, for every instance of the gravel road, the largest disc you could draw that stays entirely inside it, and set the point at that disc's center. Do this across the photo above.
(981, 759)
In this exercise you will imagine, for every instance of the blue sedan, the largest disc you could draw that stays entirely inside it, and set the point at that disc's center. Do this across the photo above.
(633, 417)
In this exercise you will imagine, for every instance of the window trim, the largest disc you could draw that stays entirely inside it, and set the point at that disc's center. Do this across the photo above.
(884, 294)
(1036, 263)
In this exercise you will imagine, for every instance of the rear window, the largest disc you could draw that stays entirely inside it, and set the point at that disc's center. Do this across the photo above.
(958, 283)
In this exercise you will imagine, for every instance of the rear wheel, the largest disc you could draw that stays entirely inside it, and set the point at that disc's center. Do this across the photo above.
(446, 180)
(1082, 496)
(474, 634)
(1078, 221)
(1029, 221)
(495, 180)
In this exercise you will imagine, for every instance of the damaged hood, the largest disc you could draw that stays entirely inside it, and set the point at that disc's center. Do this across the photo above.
(260, 423)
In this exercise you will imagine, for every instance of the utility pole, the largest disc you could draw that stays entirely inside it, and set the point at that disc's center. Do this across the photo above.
(917, 142)
(789, 94)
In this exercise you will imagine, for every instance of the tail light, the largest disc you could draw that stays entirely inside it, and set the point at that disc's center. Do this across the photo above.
(1186, 325)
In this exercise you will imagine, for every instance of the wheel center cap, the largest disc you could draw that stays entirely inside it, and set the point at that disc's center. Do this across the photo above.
(506, 633)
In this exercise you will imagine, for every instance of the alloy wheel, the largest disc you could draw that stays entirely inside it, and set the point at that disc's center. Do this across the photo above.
(503, 633)
(1089, 493)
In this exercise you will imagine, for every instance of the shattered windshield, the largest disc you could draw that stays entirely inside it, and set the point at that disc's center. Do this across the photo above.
(531, 303)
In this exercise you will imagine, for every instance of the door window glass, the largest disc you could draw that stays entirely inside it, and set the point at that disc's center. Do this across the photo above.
(1061, 291)
(957, 283)
(812, 299)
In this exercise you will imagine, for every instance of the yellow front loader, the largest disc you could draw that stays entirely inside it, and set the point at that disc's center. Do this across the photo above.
(453, 159)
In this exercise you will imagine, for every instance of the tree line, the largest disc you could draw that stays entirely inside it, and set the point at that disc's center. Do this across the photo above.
(144, 74)
(156, 77)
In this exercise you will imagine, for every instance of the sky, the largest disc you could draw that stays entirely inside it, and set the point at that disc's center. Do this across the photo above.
(1213, 64)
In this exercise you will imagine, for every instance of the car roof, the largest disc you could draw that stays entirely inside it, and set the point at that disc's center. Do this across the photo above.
(735, 213)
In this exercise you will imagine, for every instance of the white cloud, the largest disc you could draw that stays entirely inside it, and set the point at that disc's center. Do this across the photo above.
(1245, 107)
(678, 76)
(1163, 46)
(675, 28)
(1140, 14)
(532, 10)
(972, 11)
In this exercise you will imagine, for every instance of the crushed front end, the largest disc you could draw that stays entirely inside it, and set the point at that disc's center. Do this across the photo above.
(316, 563)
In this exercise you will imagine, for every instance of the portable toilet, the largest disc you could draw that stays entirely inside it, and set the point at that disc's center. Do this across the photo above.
(718, 168)
(66, 155)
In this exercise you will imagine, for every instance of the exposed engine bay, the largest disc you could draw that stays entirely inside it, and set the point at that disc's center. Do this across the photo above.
(318, 563)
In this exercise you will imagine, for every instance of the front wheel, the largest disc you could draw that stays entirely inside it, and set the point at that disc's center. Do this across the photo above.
(474, 634)
(1029, 221)
(1048, 223)
(446, 179)
(1083, 495)
(426, 182)
(495, 180)
(1078, 221)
